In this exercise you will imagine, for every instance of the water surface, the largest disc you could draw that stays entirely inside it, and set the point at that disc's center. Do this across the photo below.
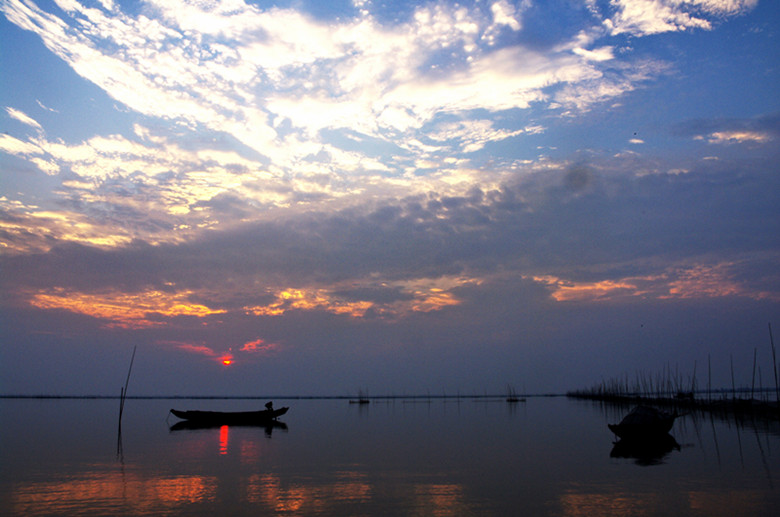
(545, 456)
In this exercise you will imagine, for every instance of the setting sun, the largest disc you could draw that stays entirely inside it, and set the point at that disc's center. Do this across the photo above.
(227, 361)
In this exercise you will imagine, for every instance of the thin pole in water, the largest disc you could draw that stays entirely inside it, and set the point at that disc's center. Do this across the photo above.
(123, 392)
(753, 385)
(774, 363)
(733, 386)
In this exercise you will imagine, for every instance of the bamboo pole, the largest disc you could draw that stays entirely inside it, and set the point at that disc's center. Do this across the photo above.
(753, 384)
(733, 386)
(123, 392)
(774, 363)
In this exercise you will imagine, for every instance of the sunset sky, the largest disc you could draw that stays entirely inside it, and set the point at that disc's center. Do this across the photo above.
(400, 197)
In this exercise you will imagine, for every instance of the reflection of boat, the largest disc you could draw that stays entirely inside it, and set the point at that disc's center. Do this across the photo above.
(217, 418)
(649, 451)
(644, 422)
(269, 425)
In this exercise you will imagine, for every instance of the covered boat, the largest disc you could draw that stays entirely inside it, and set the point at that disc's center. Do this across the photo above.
(644, 422)
(231, 418)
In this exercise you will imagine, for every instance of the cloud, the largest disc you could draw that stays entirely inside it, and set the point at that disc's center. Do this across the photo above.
(122, 309)
(23, 118)
(274, 78)
(738, 137)
(583, 223)
(195, 349)
(473, 135)
(695, 281)
(11, 145)
(759, 130)
(258, 346)
(373, 183)
(302, 114)
(647, 17)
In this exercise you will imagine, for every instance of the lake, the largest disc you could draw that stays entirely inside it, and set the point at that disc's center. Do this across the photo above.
(438, 457)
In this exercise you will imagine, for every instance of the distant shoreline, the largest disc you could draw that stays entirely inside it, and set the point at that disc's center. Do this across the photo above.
(278, 397)
(501, 396)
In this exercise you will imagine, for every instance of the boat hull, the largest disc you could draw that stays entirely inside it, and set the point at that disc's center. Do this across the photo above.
(230, 418)
(628, 432)
(643, 423)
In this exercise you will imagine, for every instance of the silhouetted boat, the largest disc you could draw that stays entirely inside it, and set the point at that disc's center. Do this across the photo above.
(362, 398)
(512, 396)
(214, 418)
(644, 422)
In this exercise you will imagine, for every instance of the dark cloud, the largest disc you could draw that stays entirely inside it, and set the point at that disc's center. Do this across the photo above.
(382, 295)
(650, 222)
(768, 123)
(578, 177)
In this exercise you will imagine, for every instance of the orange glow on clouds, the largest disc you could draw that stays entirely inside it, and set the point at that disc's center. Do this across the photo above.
(697, 281)
(704, 281)
(565, 291)
(311, 299)
(425, 295)
(124, 309)
(258, 347)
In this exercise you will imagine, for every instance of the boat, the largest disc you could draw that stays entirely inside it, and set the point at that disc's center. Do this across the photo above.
(512, 396)
(644, 422)
(208, 418)
(362, 398)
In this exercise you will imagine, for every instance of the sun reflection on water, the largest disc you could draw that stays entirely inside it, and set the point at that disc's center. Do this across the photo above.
(112, 489)
(223, 439)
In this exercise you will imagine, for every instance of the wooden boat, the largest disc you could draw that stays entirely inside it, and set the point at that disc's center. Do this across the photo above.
(644, 422)
(230, 418)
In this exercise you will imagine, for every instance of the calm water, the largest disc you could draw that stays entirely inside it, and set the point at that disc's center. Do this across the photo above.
(547, 456)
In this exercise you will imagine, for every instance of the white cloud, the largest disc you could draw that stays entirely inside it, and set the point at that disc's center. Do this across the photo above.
(472, 135)
(23, 118)
(11, 145)
(645, 17)
(504, 14)
(261, 75)
(599, 54)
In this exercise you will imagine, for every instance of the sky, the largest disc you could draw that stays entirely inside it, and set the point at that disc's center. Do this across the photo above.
(318, 197)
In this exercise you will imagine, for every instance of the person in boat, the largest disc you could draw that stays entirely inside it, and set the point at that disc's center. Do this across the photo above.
(269, 405)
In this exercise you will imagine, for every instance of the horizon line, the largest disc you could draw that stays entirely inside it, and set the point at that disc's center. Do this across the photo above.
(348, 397)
